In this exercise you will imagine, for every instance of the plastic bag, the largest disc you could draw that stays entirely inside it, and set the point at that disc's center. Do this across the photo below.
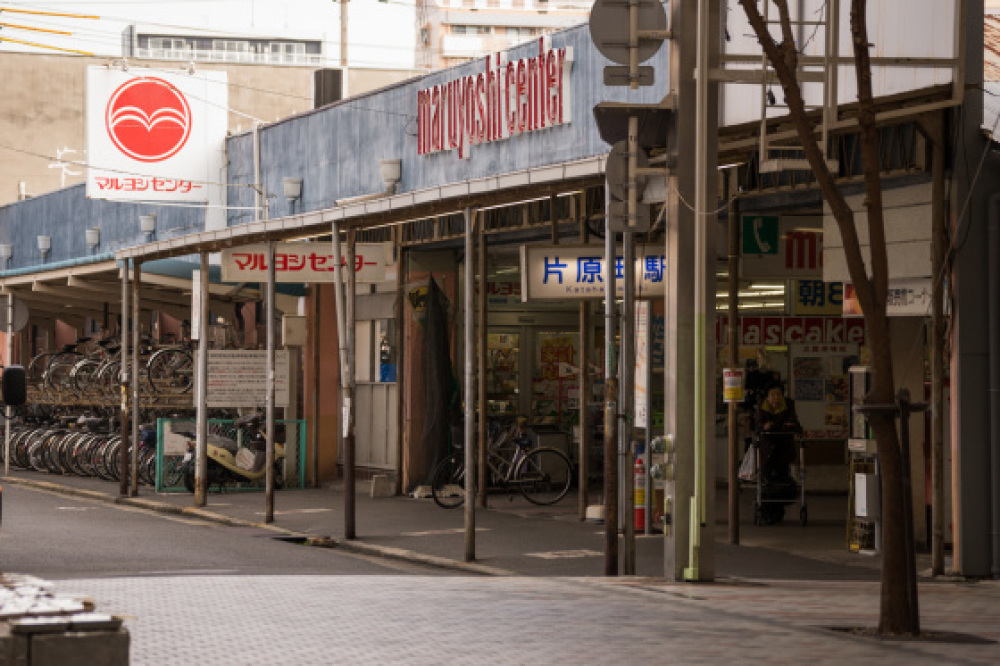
(748, 467)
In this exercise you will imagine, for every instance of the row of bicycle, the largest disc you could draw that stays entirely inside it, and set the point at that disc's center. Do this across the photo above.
(60, 449)
(92, 369)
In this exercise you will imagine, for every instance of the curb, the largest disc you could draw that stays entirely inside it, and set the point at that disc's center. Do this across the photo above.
(352, 545)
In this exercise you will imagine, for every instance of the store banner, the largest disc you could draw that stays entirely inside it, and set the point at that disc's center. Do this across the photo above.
(778, 331)
(783, 247)
(906, 298)
(304, 262)
(815, 297)
(561, 272)
(151, 135)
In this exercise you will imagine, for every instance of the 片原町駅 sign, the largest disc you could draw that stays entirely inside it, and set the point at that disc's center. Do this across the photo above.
(507, 99)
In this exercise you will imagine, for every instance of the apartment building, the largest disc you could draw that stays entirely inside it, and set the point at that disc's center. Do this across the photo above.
(450, 32)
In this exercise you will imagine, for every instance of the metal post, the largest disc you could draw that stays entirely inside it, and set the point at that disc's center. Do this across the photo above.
(481, 360)
(347, 409)
(734, 322)
(401, 263)
(350, 444)
(124, 372)
(201, 403)
(136, 383)
(626, 450)
(269, 392)
(905, 408)
(10, 361)
(470, 413)
(314, 399)
(698, 509)
(938, 244)
(585, 345)
(610, 400)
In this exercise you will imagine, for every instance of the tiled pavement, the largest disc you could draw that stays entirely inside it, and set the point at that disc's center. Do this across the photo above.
(776, 595)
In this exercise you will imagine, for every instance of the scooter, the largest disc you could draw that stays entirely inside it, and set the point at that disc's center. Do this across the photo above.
(229, 462)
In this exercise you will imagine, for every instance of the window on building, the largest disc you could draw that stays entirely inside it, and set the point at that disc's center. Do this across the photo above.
(169, 46)
(231, 49)
(286, 52)
(459, 29)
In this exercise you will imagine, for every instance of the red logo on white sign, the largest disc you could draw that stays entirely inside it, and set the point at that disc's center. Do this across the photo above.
(148, 119)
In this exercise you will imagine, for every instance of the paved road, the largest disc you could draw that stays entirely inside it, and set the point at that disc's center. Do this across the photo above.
(475, 620)
(196, 593)
(58, 536)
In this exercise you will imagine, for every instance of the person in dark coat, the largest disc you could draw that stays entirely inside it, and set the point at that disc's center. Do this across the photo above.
(777, 413)
(777, 426)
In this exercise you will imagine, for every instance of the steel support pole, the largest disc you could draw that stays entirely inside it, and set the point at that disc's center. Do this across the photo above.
(10, 361)
(201, 402)
(626, 450)
(269, 392)
(468, 307)
(399, 310)
(481, 337)
(610, 400)
(347, 409)
(939, 242)
(734, 322)
(124, 372)
(350, 444)
(698, 499)
(136, 382)
(583, 463)
(314, 399)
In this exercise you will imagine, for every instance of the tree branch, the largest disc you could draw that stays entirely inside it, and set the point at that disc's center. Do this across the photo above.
(842, 213)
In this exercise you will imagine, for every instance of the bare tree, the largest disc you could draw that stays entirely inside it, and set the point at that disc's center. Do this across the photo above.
(897, 614)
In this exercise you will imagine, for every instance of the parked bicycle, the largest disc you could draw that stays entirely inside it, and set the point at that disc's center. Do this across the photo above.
(542, 475)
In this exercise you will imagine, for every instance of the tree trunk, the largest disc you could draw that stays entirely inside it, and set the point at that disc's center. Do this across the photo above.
(896, 613)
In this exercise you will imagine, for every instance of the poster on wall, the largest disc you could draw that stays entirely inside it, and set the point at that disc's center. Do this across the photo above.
(154, 136)
(818, 384)
(555, 386)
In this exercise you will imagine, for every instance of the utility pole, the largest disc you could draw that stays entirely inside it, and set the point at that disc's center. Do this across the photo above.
(343, 34)
(614, 27)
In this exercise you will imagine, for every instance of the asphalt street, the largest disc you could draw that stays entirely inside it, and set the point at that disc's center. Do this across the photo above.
(55, 536)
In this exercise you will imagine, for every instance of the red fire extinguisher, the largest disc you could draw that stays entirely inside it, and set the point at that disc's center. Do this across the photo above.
(639, 509)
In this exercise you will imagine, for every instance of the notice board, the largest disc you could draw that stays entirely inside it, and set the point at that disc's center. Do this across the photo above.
(819, 387)
(238, 378)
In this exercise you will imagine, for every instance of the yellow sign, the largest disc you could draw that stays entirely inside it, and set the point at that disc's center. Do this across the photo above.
(732, 384)
(815, 297)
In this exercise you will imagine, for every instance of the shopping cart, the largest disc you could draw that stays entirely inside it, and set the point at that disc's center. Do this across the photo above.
(775, 488)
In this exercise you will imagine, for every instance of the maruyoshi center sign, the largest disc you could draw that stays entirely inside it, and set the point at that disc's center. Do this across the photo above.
(507, 99)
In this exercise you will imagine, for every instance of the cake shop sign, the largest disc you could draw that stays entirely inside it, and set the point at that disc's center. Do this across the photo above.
(507, 99)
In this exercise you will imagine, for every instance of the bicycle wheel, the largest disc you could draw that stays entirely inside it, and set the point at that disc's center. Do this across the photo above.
(171, 371)
(57, 374)
(448, 486)
(36, 369)
(83, 376)
(544, 476)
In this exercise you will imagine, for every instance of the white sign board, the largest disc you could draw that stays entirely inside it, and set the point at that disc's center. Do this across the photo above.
(151, 136)
(238, 378)
(643, 342)
(560, 272)
(304, 262)
(196, 304)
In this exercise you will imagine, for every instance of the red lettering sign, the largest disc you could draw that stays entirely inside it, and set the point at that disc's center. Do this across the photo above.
(779, 331)
(507, 99)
